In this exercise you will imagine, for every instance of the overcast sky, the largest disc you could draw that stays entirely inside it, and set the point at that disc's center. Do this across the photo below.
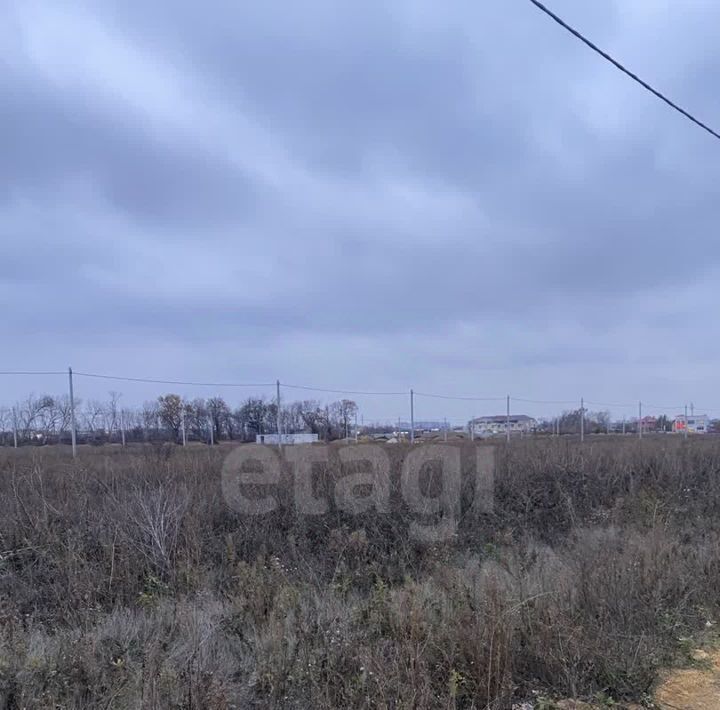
(457, 197)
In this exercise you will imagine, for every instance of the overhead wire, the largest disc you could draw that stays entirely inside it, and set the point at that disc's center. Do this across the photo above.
(605, 55)
(148, 380)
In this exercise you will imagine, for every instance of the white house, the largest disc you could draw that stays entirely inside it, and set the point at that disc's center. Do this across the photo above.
(499, 424)
(695, 424)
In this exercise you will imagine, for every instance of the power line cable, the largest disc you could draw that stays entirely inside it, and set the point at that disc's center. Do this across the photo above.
(544, 401)
(660, 406)
(610, 404)
(331, 391)
(624, 69)
(464, 399)
(147, 380)
(173, 382)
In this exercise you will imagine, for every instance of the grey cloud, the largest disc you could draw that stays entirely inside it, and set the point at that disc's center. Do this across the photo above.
(50, 139)
(554, 219)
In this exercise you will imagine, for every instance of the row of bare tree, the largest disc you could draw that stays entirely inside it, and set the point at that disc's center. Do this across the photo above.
(47, 419)
(601, 423)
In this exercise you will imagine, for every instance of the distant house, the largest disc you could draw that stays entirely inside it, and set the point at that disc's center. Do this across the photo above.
(695, 424)
(499, 424)
(649, 423)
(276, 439)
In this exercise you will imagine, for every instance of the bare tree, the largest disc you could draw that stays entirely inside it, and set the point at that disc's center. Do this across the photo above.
(314, 416)
(132, 421)
(219, 414)
(92, 420)
(342, 414)
(292, 417)
(46, 419)
(254, 415)
(63, 415)
(111, 414)
(149, 418)
(196, 419)
(6, 424)
(29, 416)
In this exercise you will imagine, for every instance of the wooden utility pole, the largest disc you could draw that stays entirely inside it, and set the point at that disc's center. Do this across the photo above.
(72, 414)
(412, 417)
(279, 429)
(507, 419)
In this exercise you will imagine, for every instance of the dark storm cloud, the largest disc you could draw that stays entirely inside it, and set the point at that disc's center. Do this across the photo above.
(405, 174)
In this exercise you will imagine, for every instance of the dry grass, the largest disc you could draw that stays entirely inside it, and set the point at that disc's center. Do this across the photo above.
(125, 582)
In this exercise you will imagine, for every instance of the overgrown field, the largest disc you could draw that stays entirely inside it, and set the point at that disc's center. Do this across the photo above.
(126, 582)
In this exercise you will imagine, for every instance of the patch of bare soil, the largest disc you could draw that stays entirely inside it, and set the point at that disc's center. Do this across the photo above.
(575, 705)
(696, 688)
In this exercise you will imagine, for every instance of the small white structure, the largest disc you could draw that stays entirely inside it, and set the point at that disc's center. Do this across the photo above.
(499, 424)
(289, 439)
(695, 424)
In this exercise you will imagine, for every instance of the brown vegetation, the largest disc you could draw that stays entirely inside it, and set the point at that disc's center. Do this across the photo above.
(125, 582)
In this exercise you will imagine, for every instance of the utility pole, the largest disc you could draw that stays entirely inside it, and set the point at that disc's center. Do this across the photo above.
(582, 419)
(507, 419)
(15, 444)
(212, 430)
(122, 428)
(685, 430)
(72, 414)
(640, 421)
(412, 417)
(277, 385)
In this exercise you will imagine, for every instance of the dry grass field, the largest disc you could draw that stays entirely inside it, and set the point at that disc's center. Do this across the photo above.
(126, 582)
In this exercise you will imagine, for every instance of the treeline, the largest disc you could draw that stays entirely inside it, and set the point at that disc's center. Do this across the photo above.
(601, 423)
(46, 419)
(569, 423)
